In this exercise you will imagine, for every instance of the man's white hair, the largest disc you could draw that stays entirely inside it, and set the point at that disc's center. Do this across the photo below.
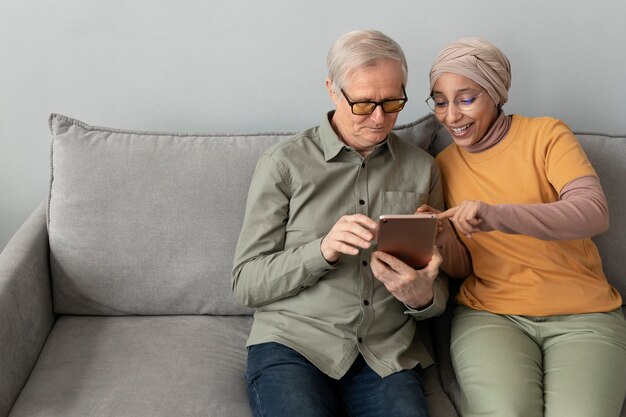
(360, 49)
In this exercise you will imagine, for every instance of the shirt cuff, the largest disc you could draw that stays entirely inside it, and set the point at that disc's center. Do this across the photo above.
(433, 310)
(313, 261)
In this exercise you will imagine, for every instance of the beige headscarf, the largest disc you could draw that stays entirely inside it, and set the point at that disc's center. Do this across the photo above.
(480, 61)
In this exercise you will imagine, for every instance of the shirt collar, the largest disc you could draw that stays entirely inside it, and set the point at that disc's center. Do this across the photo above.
(332, 145)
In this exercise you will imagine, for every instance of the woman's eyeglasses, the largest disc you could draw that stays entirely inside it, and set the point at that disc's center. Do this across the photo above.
(463, 104)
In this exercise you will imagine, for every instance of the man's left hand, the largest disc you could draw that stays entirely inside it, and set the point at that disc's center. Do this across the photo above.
(410, 286)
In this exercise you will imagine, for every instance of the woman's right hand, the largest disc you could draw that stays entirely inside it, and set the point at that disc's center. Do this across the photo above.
(466, 216)
(444, 228)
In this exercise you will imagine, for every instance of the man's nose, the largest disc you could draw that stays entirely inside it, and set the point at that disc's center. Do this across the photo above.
(378, 115)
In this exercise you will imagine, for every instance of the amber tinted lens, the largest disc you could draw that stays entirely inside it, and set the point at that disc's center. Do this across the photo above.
(393, 106)
(363, 108)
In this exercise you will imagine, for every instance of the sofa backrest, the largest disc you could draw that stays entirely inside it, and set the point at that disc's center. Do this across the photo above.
(608, 157)
(607, 154)
(147, 223)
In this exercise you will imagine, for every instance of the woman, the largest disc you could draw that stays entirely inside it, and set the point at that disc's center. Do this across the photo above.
(539, 330)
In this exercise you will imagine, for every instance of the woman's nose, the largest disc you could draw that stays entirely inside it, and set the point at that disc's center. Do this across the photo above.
(452, 112)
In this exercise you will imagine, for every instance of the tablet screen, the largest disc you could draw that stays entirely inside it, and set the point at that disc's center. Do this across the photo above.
(408, 237)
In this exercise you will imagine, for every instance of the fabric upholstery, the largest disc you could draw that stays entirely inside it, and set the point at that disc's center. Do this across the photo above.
(608, 156)
(140, 366)
(144, 223)
(26, 315)
(147, 223)
(152, 366)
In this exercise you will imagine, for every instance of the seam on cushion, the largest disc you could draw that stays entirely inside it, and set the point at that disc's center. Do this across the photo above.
(210, 135)
(51, 173)
(147, 132)
(600, 134)
(156, 133)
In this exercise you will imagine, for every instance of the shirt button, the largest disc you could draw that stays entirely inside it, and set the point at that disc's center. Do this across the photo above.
(361, 202)
(366, 302)
(364, 263)
(360, 339)
(363, 165)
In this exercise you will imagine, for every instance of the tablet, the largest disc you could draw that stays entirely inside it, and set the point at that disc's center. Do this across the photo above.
(408, 237)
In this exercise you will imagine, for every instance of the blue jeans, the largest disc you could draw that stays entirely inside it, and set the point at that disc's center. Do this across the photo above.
(283, 383)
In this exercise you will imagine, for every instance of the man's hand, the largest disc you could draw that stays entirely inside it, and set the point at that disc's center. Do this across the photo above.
(410, 286)
(466, 217)
(349, 235)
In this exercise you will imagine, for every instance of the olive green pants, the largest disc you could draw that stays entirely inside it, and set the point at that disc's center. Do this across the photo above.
(565, 366)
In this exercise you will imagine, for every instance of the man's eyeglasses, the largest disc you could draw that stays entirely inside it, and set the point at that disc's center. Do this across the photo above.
(365, 107)
(463, 104)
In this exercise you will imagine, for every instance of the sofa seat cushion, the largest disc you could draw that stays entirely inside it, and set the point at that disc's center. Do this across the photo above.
(153, 366)
(140, 366)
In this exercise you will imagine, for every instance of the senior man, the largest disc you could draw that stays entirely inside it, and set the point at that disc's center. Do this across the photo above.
(335, 324)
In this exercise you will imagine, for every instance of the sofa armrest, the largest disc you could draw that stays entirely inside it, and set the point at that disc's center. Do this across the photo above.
(26, 314)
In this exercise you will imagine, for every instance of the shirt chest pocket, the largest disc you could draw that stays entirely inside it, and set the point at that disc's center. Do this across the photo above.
(402, 202)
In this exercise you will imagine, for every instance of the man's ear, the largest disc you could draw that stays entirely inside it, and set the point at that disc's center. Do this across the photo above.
(329, 88)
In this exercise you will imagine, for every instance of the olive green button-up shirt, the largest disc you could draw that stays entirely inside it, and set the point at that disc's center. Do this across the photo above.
(330, 313)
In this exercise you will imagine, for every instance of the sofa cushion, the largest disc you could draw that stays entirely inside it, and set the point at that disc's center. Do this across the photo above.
(140, 366)
(153, 366)
(147, 223)
(608, 157)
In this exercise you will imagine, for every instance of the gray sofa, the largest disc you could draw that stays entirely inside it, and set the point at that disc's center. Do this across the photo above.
(115, 295)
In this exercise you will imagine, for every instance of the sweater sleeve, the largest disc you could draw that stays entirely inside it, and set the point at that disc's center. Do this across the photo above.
(456, 258)
(581, 211)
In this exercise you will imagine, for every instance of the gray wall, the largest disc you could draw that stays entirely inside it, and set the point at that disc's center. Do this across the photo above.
(245, 66)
